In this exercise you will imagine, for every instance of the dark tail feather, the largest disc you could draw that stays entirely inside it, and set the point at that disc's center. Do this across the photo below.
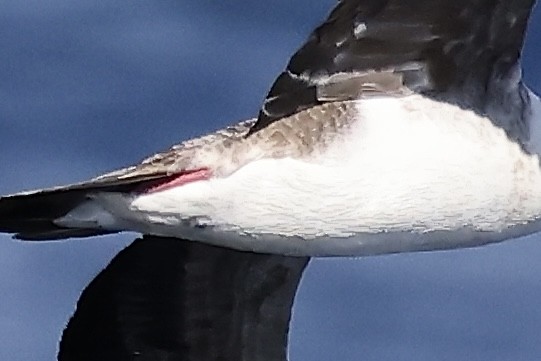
(169, 299)
(30, 215)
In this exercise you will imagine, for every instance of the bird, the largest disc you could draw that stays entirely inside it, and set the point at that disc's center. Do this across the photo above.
(398, 126)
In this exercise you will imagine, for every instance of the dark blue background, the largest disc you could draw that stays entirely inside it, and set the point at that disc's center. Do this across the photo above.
(88, 86)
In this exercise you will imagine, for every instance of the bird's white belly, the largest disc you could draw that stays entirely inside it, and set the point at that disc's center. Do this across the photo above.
(411, 174)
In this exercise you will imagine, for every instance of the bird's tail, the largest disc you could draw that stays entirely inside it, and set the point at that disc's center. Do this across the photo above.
(31, 215)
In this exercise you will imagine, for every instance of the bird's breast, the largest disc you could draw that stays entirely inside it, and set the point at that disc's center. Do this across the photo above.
(408, 174)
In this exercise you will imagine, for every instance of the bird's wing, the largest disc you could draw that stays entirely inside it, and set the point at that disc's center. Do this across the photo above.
(460, 51)
(169, 299)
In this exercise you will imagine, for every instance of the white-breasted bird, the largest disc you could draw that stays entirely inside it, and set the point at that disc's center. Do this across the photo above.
(398, 126)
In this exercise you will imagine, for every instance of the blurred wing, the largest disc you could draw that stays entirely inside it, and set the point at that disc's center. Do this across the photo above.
(457, 51)
(169, 299)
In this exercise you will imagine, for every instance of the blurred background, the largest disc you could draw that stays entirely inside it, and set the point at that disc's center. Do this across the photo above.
(89, 86)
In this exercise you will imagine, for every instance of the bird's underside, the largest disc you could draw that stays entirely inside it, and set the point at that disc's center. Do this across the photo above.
(321, 182)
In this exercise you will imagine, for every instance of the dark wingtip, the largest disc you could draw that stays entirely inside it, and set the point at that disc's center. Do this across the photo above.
(169, 299)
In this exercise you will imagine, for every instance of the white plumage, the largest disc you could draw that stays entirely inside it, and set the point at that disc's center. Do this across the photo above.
(410, 173)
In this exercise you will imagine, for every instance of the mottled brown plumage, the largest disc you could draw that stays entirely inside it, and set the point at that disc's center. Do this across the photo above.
(228, 149)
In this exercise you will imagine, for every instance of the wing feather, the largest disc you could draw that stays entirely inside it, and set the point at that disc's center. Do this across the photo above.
(463, 51)
(171, 299)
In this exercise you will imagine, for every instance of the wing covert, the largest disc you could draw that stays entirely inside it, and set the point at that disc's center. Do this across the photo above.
(455, 51)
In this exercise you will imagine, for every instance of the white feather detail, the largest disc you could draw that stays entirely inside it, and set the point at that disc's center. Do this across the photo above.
(411, 174)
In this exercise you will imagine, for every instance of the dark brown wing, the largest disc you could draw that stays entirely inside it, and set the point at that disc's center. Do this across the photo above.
(169, 299)
(460, 51)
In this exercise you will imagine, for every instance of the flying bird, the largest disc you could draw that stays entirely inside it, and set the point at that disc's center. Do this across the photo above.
(398, 126)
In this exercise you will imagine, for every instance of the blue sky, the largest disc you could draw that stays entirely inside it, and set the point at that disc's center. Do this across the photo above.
(89, 86)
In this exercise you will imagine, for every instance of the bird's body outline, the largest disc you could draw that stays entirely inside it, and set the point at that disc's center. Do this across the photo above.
(511, 132)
